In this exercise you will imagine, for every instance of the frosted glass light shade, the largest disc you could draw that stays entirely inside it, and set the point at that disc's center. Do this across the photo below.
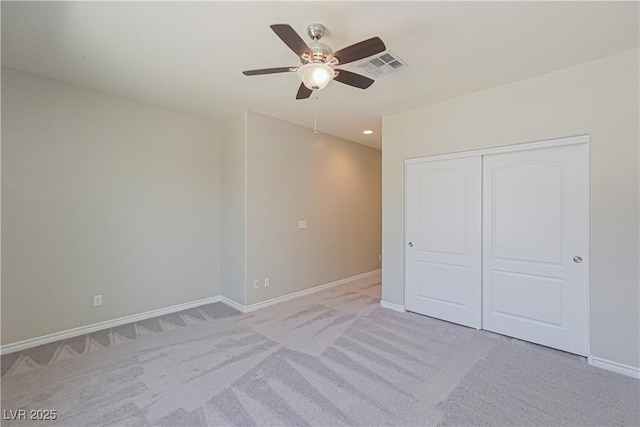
(315, 75)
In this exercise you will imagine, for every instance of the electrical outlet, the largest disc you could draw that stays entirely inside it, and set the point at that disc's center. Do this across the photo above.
(266, 282)
(256, 284)
(302, 224)
(97, 300)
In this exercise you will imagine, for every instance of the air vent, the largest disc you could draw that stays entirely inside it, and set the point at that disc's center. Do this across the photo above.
(381, 65)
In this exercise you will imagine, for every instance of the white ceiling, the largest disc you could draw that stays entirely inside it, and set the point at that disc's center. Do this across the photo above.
(189, 56)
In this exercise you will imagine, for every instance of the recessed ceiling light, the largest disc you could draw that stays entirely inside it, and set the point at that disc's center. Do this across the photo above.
(367, 132)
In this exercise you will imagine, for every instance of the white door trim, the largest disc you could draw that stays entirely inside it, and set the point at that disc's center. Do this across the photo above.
(547, 143)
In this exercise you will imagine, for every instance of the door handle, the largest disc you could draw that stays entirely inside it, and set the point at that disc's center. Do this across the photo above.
(410, 244)
(577, 259)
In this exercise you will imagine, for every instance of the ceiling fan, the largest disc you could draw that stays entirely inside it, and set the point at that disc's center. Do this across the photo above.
(319, 61)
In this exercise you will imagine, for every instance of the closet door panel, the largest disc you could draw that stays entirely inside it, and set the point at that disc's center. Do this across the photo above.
(443, 238)
(535, 246)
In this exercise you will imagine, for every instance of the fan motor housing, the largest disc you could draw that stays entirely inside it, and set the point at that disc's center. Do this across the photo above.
(320, 51)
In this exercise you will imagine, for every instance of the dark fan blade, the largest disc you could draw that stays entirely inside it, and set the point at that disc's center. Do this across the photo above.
(269, 71)
(359, 50)
(303, 92)
(289, 36)
(353, 79)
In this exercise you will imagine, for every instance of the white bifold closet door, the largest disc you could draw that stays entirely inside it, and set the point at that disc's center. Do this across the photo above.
(443, 230)
(535, 242)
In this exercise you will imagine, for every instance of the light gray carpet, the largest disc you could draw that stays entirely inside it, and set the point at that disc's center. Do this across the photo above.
(331, 358)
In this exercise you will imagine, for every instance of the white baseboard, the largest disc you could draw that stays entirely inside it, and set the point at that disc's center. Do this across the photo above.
(70, 333)
(231, 303)
(392, 306)
(620, 368)
(278, 300)
(94, 327)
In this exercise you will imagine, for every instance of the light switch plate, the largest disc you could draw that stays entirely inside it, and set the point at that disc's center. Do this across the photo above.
(302, 224)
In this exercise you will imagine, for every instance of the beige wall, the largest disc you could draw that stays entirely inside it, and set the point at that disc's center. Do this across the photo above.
(234, 203)
(599, 98)
(101, 195)
(333, 184)
(152, 208)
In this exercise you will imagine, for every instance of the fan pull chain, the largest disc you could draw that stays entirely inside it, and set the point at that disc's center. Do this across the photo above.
(315, 117)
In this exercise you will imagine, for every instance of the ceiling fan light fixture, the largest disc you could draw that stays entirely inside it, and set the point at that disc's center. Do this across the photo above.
(315, 75)
(319, 60)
